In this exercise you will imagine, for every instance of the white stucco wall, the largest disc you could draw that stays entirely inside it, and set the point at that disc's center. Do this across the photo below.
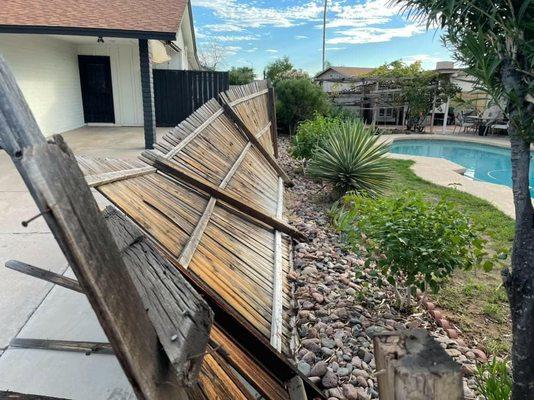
(125, 78)
(46, 70)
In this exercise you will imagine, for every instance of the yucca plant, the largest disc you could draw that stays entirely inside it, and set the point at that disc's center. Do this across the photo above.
(352, 159)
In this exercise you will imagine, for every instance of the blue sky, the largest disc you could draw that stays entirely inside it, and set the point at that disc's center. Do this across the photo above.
(362, 33)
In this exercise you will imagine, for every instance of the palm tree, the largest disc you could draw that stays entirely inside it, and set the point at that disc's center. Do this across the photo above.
(495, 39)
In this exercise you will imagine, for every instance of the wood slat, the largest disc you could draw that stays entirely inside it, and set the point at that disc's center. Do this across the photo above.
(250, 136)
(249, 97)
(109, 177)
(62, 345)
(278, 277)
(194, 134)
(43, 274)
(175, 171)
(192, 244)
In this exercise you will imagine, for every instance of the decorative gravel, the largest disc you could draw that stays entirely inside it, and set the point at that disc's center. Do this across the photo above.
(336, 314)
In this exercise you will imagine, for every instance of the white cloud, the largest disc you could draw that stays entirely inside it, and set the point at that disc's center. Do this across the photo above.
(335, 48)
(349, 22)
(224, 27)
(271, 51)
(231, 50)
(252, 50)
(253, 16)
(234, 38)
(374, 34)
(370, 12)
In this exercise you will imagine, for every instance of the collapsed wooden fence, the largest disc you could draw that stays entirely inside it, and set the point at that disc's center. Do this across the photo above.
(208, 202)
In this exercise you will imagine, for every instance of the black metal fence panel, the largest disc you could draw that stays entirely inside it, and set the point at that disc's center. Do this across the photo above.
(178, 93)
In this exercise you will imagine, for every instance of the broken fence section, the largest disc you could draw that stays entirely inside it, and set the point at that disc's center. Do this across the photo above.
(211, 198)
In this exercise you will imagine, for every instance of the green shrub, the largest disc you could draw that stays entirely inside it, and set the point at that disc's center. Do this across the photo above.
(494, 381)
(311, 134)
(352, 159)
(414, 243)
(241, 75)
(298, 100)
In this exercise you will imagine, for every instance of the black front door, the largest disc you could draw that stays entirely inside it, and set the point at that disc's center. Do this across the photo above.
(97, 94)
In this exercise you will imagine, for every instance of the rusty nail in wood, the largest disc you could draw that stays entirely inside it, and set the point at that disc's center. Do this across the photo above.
(27, 222)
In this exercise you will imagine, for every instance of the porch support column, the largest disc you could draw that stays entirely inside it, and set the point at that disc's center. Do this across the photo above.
(147, 87)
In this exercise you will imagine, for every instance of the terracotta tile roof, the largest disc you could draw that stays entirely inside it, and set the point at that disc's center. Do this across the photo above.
(162, 16)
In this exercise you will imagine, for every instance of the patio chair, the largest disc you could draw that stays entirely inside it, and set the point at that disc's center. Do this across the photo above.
(489, 117)
(499, 125)
(463, 123)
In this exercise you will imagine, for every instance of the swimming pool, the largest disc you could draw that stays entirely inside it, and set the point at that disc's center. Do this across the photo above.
(482, 162)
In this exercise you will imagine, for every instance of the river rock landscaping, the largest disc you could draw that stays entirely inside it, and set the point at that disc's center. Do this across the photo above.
(337, 314)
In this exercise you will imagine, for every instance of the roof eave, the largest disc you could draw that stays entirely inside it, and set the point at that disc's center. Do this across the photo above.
(104, 32)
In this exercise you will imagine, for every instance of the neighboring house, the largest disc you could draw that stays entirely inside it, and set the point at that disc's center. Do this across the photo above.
(374, 101)
(337, 73)
(90, 61)
(466, 83)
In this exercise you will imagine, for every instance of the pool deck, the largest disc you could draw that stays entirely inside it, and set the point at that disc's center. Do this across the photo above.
(446, 173)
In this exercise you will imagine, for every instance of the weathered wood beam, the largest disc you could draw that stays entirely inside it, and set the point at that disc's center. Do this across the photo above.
(7, 395)
(249, 338)
(190, 247)
(43, 274)
(114, 176)
(278, 277)
(175, 150)
(412, 365)
(249, 97)
(59, 189)
(192, 243)
(250, 136)
(296, 389)
(63, 345)
(272, 118)
(175, 171)
(179, 315)
(262, 131)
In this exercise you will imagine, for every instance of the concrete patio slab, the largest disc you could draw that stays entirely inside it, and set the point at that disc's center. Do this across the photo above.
(64, 374)
(20, 294)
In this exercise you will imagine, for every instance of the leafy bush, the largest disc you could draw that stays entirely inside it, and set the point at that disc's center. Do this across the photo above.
(282, 68)
(494, 380)
(414, 243)
(241, 75)
(352, 159)
(298, 100)
(311, 134)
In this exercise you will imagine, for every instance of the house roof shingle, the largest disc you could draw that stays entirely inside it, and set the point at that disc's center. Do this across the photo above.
(353, 71)
(148, 16)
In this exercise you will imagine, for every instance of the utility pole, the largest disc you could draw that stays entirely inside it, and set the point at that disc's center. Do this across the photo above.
(324, 34)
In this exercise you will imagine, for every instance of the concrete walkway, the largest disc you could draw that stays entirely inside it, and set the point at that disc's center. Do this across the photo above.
(446, 173)
(20, 295)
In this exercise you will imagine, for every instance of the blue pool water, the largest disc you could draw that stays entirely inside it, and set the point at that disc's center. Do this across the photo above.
(483, 162)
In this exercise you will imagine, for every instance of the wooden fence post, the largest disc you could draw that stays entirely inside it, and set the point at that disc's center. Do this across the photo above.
(158, 367)
(412, 366)
(272, 117)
